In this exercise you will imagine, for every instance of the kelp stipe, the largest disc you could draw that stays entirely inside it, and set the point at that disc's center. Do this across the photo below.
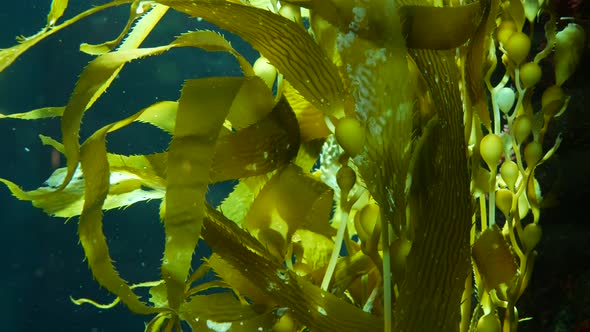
(392, 98)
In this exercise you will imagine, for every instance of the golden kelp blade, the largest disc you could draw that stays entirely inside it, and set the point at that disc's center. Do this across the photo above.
(125, 190)
(441, 239)
(96, 78)
(274, 218)
(128, 173)
(137, 10)
(318, 310)
(99, 74)
(284, 43)
(58, 7)
(202, 109)
(94, 163)
(8, 55)
(317, 249)
(312, 209)
(439, 28)
(40, 113)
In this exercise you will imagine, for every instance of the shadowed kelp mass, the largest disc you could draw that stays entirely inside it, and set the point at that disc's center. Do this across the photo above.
(420, 133)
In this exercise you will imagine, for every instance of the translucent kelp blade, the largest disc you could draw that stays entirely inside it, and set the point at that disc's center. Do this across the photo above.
(8, 55)
(94, 163)
(58, 7)
(317, 309)
(493, 258)
(157, 323)
(137, 9)
(214, 42)
(129, 174)
(237, 204)
(253, 102)
(476, 66)
(161, 114)
(350, 268)
(441, 231)
(223, 312)
(202, 109)
(264, 146)
(439, 28)
(40, 113)
(317, 248)
(283, 42)
(422, 26)
(295, 198)
(311, 120)
(97, 77)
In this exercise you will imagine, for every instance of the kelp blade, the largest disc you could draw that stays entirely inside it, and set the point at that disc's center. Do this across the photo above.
(284, 43)
(202, 109)
(93, 158)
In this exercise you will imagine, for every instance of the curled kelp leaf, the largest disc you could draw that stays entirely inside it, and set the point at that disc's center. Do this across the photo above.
(306, 66)
(132, 179)
(260, 148)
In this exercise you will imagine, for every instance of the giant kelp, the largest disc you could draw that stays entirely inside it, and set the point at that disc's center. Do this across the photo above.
(391, 97)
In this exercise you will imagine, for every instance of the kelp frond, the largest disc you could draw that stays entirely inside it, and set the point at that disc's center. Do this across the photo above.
(389, 98)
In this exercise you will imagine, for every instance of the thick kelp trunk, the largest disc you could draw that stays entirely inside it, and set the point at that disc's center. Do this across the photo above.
(438, 263)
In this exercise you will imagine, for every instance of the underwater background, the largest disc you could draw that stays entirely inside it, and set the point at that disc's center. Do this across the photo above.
(43, 262)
